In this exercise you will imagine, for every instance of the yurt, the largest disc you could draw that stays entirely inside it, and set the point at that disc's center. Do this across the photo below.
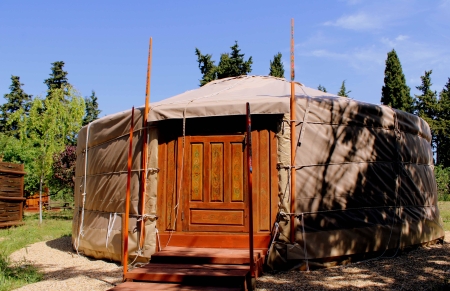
(353, 178)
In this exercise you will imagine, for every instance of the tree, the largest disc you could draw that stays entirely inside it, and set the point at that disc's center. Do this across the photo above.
(16, 99)
(395, 93)
(63, 169)
(233, 65)
(92, 110)
(276, 66)
(343, 91)
(230, 65)
(443, 127)
(426, 107)
(47, 131)
(322, 88)
(14, 150)
(443, 182)
(58, 78)
(206, 66)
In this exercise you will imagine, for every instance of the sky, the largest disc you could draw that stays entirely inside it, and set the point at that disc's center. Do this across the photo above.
(104, 44)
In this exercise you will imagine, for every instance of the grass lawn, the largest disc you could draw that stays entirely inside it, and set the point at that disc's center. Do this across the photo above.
(444, 208)
(54, 225)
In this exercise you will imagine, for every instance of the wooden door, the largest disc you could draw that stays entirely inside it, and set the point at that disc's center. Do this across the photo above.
(214, 188)
(202, 189)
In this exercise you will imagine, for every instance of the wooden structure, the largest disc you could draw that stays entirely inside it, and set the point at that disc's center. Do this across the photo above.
(178, 268)
(206, 244)
(32, 202)
(11, 194)
(363, 177)
(206, 174)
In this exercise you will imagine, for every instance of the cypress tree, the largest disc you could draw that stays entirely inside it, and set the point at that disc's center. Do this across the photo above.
(276, 66)
(16, 100)
(395, 93)
(343, 91)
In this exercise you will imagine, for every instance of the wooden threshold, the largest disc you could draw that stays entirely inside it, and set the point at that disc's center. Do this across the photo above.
(141, 286)
(213, 240)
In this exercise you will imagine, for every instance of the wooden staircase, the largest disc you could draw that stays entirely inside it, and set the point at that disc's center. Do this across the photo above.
(182, 268)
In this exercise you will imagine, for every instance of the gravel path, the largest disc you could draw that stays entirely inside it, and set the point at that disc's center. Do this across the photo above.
(420, 269)
(65, 270)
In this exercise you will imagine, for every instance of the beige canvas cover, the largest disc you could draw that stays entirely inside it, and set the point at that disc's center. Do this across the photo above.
(364, 172)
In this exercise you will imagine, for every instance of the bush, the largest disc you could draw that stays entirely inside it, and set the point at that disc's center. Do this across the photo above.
(443, 182)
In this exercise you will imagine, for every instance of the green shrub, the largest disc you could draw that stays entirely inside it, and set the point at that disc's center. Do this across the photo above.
(443, 182)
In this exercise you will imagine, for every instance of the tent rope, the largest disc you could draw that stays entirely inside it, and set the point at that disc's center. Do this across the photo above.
(304, 244)
(110, 227)
(80, 233)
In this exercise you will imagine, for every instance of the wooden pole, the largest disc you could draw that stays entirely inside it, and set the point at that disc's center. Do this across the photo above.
(125, 221)
(250, 189)
(293, 136)
(145, 149)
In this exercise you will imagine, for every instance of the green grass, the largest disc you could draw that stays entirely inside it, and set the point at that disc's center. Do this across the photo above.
(444, 208)
(54, 225)
(15, 275)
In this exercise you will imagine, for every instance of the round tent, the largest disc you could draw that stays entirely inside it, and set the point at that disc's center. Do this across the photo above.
(364, 175)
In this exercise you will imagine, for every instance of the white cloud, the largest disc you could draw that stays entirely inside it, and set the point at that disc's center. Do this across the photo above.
(401, 37)
(361, 59)
(395, 42)
(360, 21)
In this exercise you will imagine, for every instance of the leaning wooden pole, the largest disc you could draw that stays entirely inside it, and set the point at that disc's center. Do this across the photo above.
(293, 137)
(250, 189)
(145, 150)
(125, 219)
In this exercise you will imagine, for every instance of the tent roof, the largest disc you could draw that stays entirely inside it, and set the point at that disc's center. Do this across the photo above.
(266, 94)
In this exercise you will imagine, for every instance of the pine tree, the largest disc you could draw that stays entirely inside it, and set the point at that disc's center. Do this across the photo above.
(343, 91)
(230, 65)
(206, 66)
(58, 78)
(426, 107)
(443, 127)
(92, 111)
(276, 66)
(16, 100)
(322, 88)
(395, 93)
(233, 65)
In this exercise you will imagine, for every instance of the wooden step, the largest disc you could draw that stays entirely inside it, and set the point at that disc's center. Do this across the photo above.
(187, 274)
(182, 255)
(141, 286)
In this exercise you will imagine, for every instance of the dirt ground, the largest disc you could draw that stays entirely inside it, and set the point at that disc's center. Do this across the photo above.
(424, 268)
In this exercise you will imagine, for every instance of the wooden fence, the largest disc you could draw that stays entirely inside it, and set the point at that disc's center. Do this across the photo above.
(11, 194)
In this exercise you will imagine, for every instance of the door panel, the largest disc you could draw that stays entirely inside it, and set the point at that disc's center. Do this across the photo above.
(214, 196)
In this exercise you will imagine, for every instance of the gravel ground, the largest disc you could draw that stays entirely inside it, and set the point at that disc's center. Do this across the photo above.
(425, 268)
(65, 270)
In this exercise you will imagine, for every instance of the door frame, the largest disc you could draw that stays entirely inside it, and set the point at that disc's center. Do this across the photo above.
(264, 185)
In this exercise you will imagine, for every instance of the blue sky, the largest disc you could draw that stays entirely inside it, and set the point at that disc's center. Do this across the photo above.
(104, 44)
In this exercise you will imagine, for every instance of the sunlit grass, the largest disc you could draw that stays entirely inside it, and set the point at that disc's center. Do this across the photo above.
(444, 208)
(54, 225)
